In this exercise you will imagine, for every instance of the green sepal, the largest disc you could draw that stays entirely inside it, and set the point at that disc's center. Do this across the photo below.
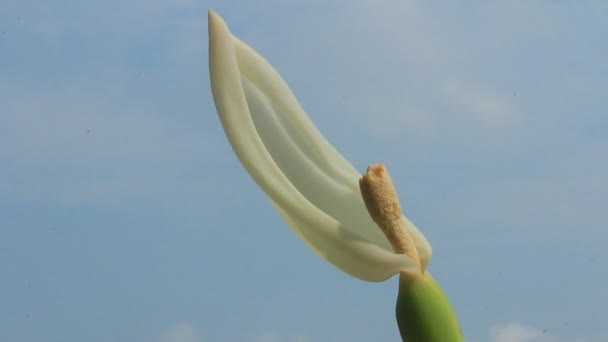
(424, 313)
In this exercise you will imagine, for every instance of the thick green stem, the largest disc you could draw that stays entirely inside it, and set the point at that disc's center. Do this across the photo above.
(424, 313)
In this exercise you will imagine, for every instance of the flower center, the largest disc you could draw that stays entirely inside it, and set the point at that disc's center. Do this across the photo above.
(383, 206)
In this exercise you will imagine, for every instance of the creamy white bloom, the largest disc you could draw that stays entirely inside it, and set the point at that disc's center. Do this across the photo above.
(309, 182)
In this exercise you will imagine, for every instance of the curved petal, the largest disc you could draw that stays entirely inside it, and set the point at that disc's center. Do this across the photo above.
(299, 125)
(327, 194)
(310, 162)
(324, 234)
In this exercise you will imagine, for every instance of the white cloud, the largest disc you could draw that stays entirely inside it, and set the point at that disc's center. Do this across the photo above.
(181, 332)
(485, 104)
(516, 332)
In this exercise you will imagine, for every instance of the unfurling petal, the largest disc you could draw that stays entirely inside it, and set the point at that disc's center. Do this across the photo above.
(313, 187)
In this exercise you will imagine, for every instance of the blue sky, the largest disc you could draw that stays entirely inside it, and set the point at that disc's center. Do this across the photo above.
(124, 215)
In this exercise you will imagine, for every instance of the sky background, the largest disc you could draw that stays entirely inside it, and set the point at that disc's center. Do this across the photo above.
(125, 216)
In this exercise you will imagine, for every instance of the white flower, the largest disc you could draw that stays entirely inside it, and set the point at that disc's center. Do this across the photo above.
(309, 182)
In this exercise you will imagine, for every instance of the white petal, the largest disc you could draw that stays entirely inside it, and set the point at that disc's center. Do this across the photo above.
(310, 162)
(327, 194)
(295, 140)
(300, 127)
(346, 250)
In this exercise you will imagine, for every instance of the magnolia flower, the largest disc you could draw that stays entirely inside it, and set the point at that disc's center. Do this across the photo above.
(353, 222)
(314, 188)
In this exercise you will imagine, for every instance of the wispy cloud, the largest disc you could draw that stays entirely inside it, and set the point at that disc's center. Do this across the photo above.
(516, 332)
(181, 332)
(482, 103)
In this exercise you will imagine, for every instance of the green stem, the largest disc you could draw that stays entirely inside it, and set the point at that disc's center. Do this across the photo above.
(424, 313)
